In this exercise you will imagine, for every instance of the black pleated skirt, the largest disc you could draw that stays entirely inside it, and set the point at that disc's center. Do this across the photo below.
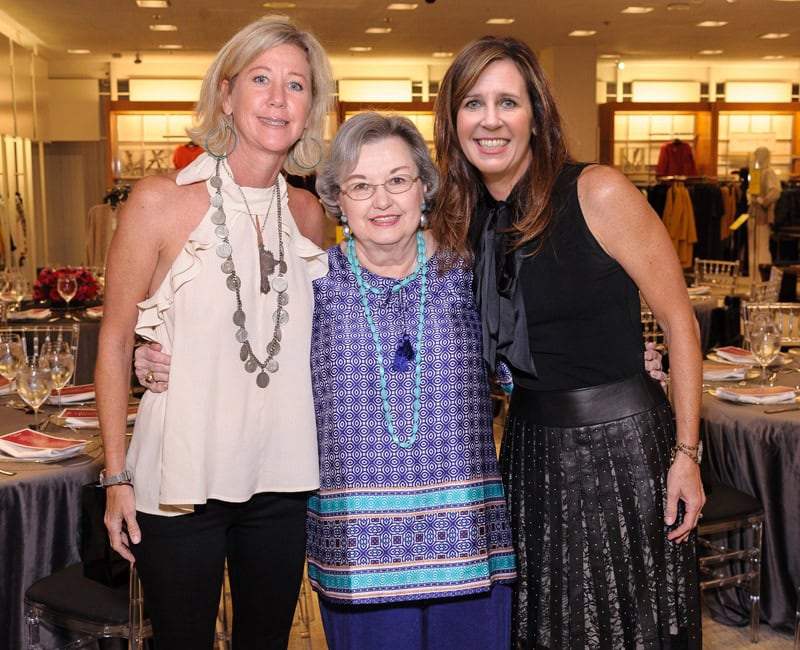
(585, 477)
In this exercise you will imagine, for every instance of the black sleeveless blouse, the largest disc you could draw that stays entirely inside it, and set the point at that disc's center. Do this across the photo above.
(566, 317)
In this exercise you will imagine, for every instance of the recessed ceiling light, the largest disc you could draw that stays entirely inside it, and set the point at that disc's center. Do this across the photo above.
(608, 56)
(713, 23)
(678, 6)
(442, 55)
(583, 32)
(153, 4)
(637, 10)
(79, 51)
(710, 52)
(773, 57)
(360, 48)
(378, 30)
(771, 36)
(279, 5)
(162, 27)
(500, 21)
(402, 6)
(170, 46)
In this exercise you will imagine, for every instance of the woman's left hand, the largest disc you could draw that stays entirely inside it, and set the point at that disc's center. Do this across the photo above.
(652, 363)
(684, 484)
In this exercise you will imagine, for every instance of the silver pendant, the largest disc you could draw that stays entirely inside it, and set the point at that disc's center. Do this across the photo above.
(224, 250)
(218, 218)
(280, 317)
(262, 379)
(272, 366)
(233, 282)
(216, 182)
(280, 284)
(241, 335)
(244, 352)
(273, 348)
(283, 299)
(221, 231)
(227, 266)
(216, 200)
(239, 318)
(250, 365)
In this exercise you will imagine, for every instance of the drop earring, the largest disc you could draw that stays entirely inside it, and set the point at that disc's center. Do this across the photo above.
(423, 220)
(345, 227)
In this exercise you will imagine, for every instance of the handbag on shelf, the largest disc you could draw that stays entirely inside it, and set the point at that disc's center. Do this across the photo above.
(100, 562)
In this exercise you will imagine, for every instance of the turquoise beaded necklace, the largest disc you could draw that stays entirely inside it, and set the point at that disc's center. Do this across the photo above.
(363, 286)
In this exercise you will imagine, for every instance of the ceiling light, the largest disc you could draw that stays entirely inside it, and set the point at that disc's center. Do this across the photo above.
(678, 6)
(170, 46)
(608, 56)
(637, 10)
(442, 55)
(402, 6)
(79, 51)
(620, 65)
(583, 32)
(771, 36)
(500, 21)
(152, 4)
(279, 5)
(710, 52)
(713, 23)
(360, 48)
(773, 57)
(378, 30)
(162, 27)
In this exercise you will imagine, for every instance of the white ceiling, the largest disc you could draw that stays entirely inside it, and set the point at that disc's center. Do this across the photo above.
(119, 26)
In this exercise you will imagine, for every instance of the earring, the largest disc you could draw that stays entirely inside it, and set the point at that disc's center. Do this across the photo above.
(345, 228)
(302, 141)
(423, 220)
(227, 123)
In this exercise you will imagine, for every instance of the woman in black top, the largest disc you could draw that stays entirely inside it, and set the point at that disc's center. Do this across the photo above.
(561, 250)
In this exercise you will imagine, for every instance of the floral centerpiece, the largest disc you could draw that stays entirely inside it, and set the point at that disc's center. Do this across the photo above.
(46, 286)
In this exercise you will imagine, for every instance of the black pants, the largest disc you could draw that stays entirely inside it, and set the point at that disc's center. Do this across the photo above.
(181, 563)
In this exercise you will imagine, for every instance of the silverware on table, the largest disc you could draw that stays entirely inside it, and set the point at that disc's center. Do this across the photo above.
(7, 473)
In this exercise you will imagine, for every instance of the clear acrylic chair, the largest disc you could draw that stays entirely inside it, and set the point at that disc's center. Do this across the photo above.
(85, 609)
(727, 511)
(719, 275)
(651, 330)
(768, 290)
(786, 315)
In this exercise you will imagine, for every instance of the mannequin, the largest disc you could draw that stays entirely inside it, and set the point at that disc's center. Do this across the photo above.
(763, 196)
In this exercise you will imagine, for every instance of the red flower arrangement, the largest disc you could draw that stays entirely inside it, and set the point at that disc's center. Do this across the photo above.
(46, 286)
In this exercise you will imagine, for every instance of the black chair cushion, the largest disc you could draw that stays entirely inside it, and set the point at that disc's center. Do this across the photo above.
(724, 502)
(69, 593)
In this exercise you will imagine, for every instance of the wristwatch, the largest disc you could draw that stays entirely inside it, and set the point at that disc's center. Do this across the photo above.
(123, 478)
(695, 453)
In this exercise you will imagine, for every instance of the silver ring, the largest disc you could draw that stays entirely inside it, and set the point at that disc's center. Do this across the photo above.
(149, 378)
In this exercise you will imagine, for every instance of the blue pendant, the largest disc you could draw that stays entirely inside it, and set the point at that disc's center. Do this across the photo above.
(403, 355)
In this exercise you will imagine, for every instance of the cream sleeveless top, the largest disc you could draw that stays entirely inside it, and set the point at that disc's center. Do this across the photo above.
(214, 434)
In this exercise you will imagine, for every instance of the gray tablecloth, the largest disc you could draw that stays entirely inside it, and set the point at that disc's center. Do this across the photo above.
(703, 309)
(759, 454)
(39, 520)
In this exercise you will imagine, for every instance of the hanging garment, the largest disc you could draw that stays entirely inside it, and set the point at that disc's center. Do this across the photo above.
(21, 232)
(184, 154)
(679, 221)
(101, 222)
(676, 159)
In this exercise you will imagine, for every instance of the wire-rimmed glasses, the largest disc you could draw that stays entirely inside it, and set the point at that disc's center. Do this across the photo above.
(397, 184)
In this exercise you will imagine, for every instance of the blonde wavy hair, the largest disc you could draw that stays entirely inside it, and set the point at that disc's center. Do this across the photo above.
(210, 128)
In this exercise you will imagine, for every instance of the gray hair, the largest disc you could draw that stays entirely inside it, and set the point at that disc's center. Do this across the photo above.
(366, 128)
(243, 48)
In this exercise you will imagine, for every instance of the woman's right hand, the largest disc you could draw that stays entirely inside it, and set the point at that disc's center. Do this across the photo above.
(120, 520)
(152, 367)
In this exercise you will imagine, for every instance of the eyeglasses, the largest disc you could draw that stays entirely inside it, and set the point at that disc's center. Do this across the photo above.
(361, 191)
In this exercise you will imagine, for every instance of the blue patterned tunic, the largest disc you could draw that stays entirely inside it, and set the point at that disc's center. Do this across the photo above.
(392, 524)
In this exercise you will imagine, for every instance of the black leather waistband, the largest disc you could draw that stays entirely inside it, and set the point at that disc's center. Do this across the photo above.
(587, 406)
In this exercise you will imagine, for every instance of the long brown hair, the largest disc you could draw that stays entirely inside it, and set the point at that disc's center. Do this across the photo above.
(461, 181)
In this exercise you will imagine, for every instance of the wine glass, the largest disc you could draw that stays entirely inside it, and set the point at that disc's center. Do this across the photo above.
(12, 355)
(67, 287)
(765, 344)
(34, 385)
(58, 358)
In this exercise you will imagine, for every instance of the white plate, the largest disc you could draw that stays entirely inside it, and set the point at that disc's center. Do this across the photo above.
(699, 291)
(43, 461)
(782, 360)
(738, 400)
(750, 373)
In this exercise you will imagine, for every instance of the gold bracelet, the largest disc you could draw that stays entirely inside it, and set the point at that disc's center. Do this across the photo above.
(694, 452)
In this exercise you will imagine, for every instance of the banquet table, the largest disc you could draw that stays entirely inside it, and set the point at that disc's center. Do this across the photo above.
(759, 453)
(39, 517)
(704, 307)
